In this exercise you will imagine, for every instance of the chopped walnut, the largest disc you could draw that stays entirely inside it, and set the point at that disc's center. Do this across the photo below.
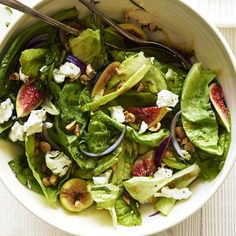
(90, 72)
(46, 181)
(180, 132)
(14, 76)
(129, 117)
(71, 126)
(53, 179)
(189, 147)
(45, 146)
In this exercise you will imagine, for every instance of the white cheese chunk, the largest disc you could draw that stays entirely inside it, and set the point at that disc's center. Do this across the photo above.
(6, 109)
(22, 76)
(163, 173)
(166, 98)
(17, 132)
(102, 179)
(57, 162)
(175, 193)
(70, 70)
(34, 124)
(143, 127)
(58, 76)
(117, 113)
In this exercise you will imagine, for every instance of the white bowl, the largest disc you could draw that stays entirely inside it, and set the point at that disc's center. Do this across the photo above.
(186, 29)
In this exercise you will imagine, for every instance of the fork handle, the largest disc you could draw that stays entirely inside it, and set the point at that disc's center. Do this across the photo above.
(27, 10)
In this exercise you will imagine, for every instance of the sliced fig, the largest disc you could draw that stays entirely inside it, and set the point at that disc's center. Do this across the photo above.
(144, 165)
(217, 99)
(28, 98)
(150, 115)
(104, 78)
(74, 195)
(134, 29)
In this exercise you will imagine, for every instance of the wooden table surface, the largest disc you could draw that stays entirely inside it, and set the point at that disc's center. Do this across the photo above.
(216, 218)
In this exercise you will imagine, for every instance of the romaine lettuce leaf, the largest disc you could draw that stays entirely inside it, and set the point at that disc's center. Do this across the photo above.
(198, 118)
(149, 139)
(124, 164)
(35, 166)
(154, 80)
(141, 67)
(31, 60)
(127, 215)
(24, 174)
(165, 205)
(105, 196)
(87, 46)
(108, 161)
(143, 188)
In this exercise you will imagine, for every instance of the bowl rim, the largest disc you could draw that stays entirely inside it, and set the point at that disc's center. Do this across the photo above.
(221, 176)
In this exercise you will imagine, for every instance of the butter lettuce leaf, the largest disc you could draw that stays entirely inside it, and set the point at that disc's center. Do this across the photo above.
(198, 118)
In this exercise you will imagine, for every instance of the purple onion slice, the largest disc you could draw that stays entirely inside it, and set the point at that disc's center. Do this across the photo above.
(38, 41)
(161, 150)
(77, 62)
(174, 140)
(108, 150)
(154, 214)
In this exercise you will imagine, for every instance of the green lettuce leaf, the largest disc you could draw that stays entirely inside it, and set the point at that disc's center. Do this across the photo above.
(124, 164)
(165, 205)
(210, 164)
(154, 80)
(127, 215)
(143, 188)
(31, 60)
(105, 196)
(35, 166)
(108, 161)
(198, 118)
(24, 174)
(149, 139)
(87, 46)
(141, 67)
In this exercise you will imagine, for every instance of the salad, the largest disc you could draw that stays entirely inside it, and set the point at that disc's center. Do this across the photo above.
(105, 127)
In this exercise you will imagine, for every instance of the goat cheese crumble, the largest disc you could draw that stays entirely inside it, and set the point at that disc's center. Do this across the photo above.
(175, 193)
(102, 179)
(17, 132)
(34, 124)
(6, 110)
(57, 162)
(166, 98)
(117, 113)
(66, 70)
(163, 173)
(143, 127)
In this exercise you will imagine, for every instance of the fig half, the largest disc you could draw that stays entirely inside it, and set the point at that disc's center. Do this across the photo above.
(217, 99)
(150, 115)
(28, 98)
(104, 78)
(74, 196)
(145, 165)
